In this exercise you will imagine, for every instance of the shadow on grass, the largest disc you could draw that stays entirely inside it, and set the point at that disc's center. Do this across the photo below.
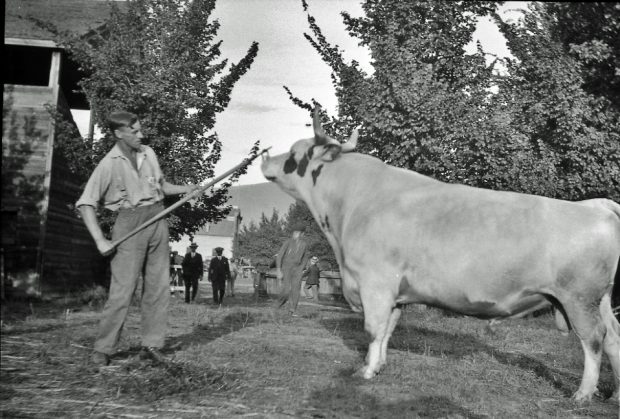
(450, 345)
(343, 399)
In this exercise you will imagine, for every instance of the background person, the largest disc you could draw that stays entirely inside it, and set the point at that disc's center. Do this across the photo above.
(312, 274)
(129, 180)
(219, 273)
(290, 262)
(234, 271)
(192, 272)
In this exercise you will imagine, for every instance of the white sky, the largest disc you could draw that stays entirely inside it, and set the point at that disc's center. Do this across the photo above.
(259, 108)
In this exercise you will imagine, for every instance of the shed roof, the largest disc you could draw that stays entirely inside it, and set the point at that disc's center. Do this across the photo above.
(78, 16)
(223, 228)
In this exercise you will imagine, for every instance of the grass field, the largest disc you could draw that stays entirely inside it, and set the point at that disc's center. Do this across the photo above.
(242, 360)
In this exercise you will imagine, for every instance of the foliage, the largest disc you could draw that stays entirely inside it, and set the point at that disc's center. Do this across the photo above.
(429, 106)
(318, 245)
(573, 130)
(261, 242)
(161, 60)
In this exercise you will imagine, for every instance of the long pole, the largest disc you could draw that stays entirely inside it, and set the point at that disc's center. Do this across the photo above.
(186, 198)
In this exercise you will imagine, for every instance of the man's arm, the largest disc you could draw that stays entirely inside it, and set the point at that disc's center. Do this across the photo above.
(279, 258)
(90, 220)
(170, 189)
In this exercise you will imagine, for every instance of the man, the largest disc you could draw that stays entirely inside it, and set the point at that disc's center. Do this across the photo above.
(192, 272)
(290, 262)
(234, 271)
(129, 180)
(219, 273)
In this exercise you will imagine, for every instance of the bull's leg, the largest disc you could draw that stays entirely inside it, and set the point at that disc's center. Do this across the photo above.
(394, 316)
(588, 326)
(611, 344)
(377, 312)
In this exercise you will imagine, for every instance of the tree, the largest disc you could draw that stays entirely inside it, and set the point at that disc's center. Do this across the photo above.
(261, 242)
(555, 103)
(429, 105)
(318, 245)
(161, 60)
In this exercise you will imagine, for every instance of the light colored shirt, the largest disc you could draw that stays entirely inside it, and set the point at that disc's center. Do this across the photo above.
(116, 184)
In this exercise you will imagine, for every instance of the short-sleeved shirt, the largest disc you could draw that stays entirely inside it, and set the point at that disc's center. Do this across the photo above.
(115, 183)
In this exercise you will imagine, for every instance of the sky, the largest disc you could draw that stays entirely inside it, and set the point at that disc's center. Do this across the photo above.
(259, 108)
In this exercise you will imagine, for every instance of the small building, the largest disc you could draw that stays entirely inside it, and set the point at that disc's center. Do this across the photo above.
(45, 246)
(223, 233)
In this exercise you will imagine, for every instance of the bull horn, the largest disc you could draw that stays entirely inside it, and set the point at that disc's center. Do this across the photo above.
(350, 145)
(320, 138)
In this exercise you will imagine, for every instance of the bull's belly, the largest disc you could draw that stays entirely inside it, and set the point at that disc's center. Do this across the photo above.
(512, 305)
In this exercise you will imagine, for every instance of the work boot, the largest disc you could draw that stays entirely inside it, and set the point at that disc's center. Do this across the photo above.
(155, 354)
(100, 359)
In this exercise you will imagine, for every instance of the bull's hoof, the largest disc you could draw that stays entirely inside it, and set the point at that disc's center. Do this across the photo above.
(365, 372)
(615, 398)
(582, 396)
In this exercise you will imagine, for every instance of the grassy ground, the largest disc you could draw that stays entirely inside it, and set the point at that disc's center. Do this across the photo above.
(243, 361)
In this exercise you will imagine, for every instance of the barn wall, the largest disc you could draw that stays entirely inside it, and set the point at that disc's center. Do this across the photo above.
(70, 258)
(51, 250)
(25, 131)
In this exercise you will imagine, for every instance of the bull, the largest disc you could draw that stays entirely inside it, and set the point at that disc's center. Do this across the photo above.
(403, 238)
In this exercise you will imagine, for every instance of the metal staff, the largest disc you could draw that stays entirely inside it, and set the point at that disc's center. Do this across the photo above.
(186, 198)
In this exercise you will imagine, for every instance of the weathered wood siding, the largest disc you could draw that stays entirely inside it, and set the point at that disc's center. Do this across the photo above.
(53, 250)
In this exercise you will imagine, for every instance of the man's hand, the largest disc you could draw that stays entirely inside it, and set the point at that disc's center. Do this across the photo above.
(105, 247)
(279, 274)
(191, 188)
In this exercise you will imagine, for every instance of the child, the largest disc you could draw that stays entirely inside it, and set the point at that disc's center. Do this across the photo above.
(312, 280)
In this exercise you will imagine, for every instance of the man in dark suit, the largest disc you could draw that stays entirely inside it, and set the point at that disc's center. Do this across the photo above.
(192, 272)
(219, 273)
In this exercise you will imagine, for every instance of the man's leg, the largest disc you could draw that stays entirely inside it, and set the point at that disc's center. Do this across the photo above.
(285, 289)
(195, 288)
(295, 290)
(315, 292)
(188, 286)
(125, 267)
(215, 292)
(155, 298)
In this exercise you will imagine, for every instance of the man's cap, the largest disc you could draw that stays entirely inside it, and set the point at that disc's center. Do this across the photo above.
(314, 258)
(219, 250)
(193, 245)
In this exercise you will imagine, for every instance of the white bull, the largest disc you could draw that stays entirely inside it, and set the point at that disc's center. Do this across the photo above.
(401, 237)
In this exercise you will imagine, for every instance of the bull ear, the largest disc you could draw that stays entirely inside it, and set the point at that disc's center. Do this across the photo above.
(331, 151)
(320, 138)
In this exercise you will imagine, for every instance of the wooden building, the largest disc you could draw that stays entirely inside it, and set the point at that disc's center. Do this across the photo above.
(45, 247)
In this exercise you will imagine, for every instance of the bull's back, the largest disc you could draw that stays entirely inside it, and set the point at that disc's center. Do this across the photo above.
(457, 245)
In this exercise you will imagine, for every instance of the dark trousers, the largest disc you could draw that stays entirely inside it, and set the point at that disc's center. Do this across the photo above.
(219, 289)
(191, 284)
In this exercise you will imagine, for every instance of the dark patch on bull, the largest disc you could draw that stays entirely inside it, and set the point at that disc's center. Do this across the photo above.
(315, 174)
(311, 152)
(303, 165)
(596, 346)
(290, 165)
(327, 223)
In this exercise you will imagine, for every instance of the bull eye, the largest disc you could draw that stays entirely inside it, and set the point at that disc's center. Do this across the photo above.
(290, 165)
